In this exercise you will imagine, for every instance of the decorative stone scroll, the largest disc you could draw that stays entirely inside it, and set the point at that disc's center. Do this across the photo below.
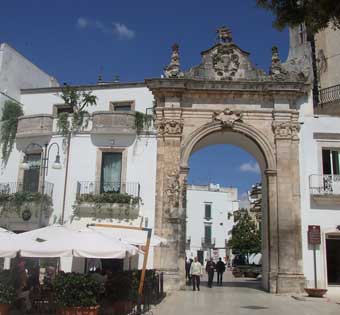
(227, 117)
(286, 130)
(171, 127)
(173, 69)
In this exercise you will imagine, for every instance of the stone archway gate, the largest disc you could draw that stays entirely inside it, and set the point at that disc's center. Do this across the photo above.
(226, 93)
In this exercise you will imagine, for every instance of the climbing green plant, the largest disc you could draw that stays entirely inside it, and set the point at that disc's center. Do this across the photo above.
(9, 125)
(142, 121)
(79, 101)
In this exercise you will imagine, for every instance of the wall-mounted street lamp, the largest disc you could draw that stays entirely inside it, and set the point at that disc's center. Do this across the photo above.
(43, 168)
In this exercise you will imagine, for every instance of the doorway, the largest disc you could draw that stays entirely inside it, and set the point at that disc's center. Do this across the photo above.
(333, 259)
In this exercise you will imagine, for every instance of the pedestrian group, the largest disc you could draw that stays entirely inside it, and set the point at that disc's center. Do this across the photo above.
(194, 271)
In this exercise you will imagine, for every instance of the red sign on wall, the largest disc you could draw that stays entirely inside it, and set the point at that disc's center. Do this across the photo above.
(314, 235)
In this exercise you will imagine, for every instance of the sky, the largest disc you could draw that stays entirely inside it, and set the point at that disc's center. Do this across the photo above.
(76, 40)
(226, 165)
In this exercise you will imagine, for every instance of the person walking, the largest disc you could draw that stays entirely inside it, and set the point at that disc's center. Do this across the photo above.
(210, 269)
(220, 268)
(196, 272)
(187, 270)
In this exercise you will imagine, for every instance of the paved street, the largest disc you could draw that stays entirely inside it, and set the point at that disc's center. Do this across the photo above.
(241, 296)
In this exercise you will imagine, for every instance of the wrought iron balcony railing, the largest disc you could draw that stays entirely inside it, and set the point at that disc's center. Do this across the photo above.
(324, 184)
(330, 94)
(208, 242)
(14, 187)
(97, 188)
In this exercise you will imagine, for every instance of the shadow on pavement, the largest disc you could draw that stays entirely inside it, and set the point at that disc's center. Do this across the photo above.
(244, 283)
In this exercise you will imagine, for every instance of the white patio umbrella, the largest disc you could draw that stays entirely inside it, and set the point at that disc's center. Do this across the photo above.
(133, 237)
(8, 245)
(63, 241)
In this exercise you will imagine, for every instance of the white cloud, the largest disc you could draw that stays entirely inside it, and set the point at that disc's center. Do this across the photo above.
(122, 31)
(250, 167)
(119, 30)
(82, 23)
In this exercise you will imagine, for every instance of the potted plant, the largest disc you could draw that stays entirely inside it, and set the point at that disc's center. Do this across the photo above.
(121, 292)
(76, 294)
(315, 292)
(7, 291)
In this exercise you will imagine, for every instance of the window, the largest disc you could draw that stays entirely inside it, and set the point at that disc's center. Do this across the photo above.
(58, 109)
(111, 172)
(207, 211)
(124, 106)
(207, 234)
(330, 161)
(32, 175)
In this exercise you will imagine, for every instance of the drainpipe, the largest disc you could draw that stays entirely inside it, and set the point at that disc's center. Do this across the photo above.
(66, 177)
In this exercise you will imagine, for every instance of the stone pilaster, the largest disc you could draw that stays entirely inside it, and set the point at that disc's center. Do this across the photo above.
(290, 277)
(169, 213)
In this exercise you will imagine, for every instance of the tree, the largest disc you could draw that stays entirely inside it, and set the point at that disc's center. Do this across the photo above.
(78, 101)
(316, 14)
(246, 238)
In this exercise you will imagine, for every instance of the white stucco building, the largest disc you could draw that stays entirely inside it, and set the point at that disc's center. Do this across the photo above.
(109, 155)
(17, 72)
(319, 166)
(208, 223)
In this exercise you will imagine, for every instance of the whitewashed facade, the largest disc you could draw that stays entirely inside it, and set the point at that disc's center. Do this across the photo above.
(319, 166)
(110, 134)
(209, 220)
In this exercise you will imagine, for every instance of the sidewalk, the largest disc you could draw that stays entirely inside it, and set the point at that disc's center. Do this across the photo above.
(241, 296)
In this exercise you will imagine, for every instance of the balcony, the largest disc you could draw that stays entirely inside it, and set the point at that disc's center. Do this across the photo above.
(113, 128)
(109, 200)
(208, 243)
(325, 188)
(20, 208)
(34, 128)
(329, 101)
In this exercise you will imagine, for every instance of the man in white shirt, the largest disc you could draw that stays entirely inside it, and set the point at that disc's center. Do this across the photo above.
(196, 272)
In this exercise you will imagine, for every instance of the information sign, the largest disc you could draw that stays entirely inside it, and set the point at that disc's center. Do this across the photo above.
(314, 235)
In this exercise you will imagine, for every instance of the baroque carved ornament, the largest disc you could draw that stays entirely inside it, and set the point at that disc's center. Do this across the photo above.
(172, 189)
(286, 130)
(173, 70)
(169, 127)
(227, 117)
(226, 62)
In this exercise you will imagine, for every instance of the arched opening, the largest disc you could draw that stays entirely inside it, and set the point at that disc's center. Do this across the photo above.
(213, 138)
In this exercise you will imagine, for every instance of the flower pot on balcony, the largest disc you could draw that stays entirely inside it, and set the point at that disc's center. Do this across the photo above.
(312, 292)
(79, 310)
(4, 309)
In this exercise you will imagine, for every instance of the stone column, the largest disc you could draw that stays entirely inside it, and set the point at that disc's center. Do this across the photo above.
(290, 277)
(168, 217)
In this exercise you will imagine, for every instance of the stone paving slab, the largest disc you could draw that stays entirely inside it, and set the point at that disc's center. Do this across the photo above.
(241, 297)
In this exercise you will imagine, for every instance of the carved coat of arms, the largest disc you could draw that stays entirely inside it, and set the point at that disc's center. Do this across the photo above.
(226, 62)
